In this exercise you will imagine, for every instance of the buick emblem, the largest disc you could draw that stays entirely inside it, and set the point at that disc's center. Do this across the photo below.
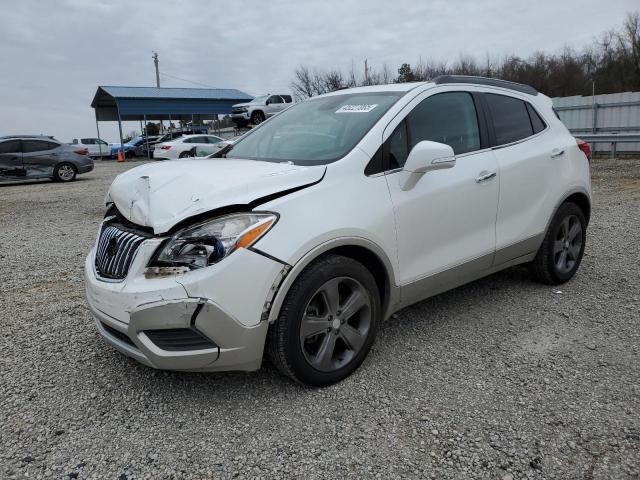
(112, 247)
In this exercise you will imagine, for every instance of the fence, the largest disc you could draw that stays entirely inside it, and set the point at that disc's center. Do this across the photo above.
(615, 113)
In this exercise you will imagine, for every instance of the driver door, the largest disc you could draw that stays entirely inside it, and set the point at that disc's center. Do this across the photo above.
(11, 159)
(446, 222)
(275, 104)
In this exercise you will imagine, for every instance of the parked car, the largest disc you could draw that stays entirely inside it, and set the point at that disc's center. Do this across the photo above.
(259, 109)
(182, 147)
(130, 148)
(31, 157)
(321, 223)
(96, 147)
(150, 142)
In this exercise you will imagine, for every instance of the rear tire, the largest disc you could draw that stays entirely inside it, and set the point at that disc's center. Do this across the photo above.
(186, 154)
(327, 323)
(561, 251)
(64, 172)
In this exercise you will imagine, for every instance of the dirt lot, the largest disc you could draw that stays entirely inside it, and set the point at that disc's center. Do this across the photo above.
(503, 378)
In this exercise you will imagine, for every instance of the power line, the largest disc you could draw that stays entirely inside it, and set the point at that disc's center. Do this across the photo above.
(185, 80)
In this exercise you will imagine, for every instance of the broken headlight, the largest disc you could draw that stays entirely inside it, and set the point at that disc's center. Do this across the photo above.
(209, 242)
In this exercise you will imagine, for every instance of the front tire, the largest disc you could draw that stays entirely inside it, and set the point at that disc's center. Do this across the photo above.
(257, 118)
(64, 172)
(561, 251)
(327, 322)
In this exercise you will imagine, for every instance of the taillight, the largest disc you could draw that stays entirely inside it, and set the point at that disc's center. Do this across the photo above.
(82, 151)
(584, 146)
(165, 147)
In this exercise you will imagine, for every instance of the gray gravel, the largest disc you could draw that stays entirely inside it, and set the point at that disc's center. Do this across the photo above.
(502, 378)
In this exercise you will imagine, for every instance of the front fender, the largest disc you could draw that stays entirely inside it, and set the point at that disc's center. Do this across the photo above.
(311, 255)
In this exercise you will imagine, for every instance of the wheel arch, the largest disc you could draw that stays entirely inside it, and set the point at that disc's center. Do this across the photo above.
(582, 200)
(360, 249)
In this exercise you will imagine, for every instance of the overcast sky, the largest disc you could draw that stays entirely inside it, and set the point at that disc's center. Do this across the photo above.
(55, 53)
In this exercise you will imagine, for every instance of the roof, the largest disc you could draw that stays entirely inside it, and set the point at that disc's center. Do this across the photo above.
(136, 103)
(175, 93)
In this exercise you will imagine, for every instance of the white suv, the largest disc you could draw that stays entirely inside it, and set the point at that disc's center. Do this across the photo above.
(322, 222)
(259, 109)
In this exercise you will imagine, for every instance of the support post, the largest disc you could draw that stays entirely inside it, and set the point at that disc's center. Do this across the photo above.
(146, 137)
(169, 122)
(613, 150)
(98, 129)
(120, 130)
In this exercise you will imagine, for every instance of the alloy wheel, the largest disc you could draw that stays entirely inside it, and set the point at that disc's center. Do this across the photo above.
(65, 173)
(335, 324)
(567, 244)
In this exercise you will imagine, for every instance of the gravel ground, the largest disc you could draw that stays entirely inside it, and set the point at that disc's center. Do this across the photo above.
(502, 378)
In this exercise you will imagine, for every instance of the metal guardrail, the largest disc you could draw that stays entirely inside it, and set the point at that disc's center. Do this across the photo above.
(611, 138)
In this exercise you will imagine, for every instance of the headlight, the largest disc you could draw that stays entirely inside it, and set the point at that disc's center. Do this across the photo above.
(209, 242)
(243, 110)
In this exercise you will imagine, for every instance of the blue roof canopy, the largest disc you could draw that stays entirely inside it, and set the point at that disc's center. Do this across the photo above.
(133, 103)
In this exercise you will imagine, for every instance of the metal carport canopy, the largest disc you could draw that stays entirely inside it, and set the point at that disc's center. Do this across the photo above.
(138, 103)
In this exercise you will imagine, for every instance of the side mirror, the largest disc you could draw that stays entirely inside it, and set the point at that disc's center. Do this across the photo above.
(425, 157)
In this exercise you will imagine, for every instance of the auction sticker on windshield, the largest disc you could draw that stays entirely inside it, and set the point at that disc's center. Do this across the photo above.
(365, 108)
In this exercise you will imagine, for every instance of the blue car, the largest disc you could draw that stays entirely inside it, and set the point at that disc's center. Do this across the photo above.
(129, 147)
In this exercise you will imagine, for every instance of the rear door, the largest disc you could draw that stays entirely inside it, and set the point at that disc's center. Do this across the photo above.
(529, 174)
(91, 145)
(11, 160)
(40, 157)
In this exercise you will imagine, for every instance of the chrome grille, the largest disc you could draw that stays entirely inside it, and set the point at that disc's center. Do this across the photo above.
(115, 251)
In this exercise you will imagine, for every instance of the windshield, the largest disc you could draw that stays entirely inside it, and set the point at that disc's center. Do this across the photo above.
(317, 131)
(259, 99)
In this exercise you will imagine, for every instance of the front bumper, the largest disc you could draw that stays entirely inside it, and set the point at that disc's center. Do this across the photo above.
(240, 118)
(224, 303)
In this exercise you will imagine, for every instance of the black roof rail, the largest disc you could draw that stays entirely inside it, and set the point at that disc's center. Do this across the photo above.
(490, 82)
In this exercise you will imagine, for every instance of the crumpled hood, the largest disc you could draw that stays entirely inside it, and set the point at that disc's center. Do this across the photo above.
(159, 195)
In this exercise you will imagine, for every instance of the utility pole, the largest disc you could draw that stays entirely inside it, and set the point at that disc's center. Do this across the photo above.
(155, 62)
(366, 72)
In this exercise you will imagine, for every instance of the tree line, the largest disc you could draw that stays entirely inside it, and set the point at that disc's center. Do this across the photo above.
(610, 64)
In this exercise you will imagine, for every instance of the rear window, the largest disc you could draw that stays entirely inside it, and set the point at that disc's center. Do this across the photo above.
(31, 146)
(510, 118)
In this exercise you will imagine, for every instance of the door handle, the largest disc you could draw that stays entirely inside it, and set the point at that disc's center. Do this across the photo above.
(484, 176)
(556, 152)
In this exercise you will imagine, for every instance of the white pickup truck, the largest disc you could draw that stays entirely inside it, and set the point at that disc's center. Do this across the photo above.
(259, 109)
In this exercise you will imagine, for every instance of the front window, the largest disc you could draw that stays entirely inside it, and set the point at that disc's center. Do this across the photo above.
(317, 131)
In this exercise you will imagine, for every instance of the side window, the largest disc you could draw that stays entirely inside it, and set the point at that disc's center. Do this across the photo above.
(448, 118)
(212, 139)
(195, 140)
(510, 118)
(10, 146)
(75, 141)
(536, 122)
(88, 141)
(52, 145)
(287, 98)
(31, 146)
(398, 146)
(275, 99)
